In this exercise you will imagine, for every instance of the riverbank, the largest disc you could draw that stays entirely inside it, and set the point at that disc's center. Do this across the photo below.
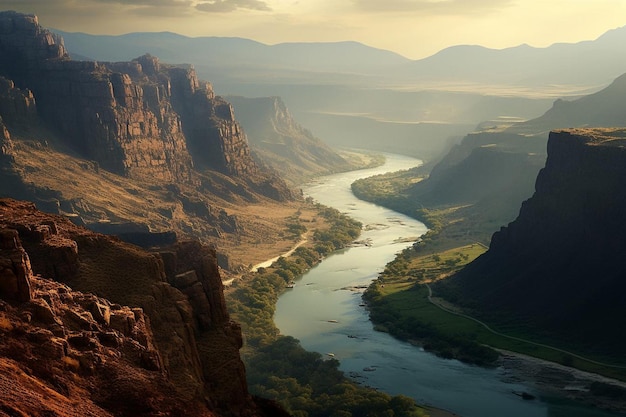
(401, 306)
(559, 380)
(326, 316)
(278, 367)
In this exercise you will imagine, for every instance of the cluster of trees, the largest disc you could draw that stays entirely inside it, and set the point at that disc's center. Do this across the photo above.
(278, 367)
(389, 190)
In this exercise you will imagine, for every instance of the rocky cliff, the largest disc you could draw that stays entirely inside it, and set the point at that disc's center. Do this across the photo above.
(136, 118)
(558, 267)
(281, 142)
(139, 149)
(174, 352)
(491, 172)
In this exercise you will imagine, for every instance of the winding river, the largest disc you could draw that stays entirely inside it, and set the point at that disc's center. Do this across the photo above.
(325, 312)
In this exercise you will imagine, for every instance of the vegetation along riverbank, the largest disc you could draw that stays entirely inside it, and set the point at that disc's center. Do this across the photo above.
(278, 367)
(402, 302)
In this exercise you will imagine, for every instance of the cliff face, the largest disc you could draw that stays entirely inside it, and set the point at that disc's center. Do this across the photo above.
(281, 142)
(559, 266)
(482, 165)
(139, 149)
(141, 119)
(181, 329)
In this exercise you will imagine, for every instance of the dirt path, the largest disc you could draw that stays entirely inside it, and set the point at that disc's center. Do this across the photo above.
(269, 262)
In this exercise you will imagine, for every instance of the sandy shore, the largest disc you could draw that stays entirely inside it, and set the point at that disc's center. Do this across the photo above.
(558, 379)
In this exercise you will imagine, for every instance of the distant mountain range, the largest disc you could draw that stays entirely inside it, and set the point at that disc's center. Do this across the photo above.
(587, 63)
(593, 62)
(352, 95)
(241, 55)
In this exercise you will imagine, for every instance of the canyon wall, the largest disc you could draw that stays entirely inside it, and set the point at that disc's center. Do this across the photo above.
(179, 324)
(558, 268)
(278, 140)
(141, 119)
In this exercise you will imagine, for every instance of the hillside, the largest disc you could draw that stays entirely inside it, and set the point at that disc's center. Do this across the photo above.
(556, 271)
(492, 171)
(138, 149)
(279, 141)
(67, 352)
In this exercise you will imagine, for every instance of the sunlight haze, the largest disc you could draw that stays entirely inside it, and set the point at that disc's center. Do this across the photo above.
(413, 28)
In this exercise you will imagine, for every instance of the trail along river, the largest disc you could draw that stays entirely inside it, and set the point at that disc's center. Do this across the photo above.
(325, 312)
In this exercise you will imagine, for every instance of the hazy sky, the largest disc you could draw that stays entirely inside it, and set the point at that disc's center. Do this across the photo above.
(414, 28)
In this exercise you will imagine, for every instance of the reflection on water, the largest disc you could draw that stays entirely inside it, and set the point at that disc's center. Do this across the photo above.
(325, 312)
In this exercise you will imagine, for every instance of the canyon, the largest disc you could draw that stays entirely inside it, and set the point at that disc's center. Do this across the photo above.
(557, 267)
(140, 149)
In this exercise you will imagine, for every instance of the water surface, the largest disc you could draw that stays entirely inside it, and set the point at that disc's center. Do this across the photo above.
(325, 312)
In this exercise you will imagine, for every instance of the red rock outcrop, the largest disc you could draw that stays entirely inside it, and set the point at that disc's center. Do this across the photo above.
(17, 106)
(180, 327)
(134, 118)
(67, 353)
(15, 269)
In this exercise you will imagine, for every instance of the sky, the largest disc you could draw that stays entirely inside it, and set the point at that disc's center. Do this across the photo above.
(413, 28)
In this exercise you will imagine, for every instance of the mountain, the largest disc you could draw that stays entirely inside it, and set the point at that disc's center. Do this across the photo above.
(237, 54)
(282, 143)
(345, 93)
(352, 62)
(138, 149)
(490, 172)
(67, 352)
(604, 108)
(557, 269)
(351, 95)
(523, 65)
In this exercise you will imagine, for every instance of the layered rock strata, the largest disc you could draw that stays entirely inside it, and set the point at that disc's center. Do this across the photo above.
(139, 118)
(180, 324)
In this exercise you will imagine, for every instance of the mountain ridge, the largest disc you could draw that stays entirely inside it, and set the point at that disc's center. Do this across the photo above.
(531, 64)
(556, 267)
(166, 148)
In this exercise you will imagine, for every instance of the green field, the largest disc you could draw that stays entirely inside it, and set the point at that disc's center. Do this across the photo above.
(400, 304)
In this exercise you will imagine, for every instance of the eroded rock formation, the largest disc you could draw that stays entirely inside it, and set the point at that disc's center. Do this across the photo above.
(177, 154)
(179, 331)
(142, 119)
(278, 140)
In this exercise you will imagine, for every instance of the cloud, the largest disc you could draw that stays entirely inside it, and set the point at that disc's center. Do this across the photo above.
(69, 4)
(432, 6)
(222, 6)
(152, 3)
(92, 8)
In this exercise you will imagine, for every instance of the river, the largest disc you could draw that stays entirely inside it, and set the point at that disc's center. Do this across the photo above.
(325, 312)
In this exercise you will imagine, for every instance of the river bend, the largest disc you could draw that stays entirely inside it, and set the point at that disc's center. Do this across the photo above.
(325, 312)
